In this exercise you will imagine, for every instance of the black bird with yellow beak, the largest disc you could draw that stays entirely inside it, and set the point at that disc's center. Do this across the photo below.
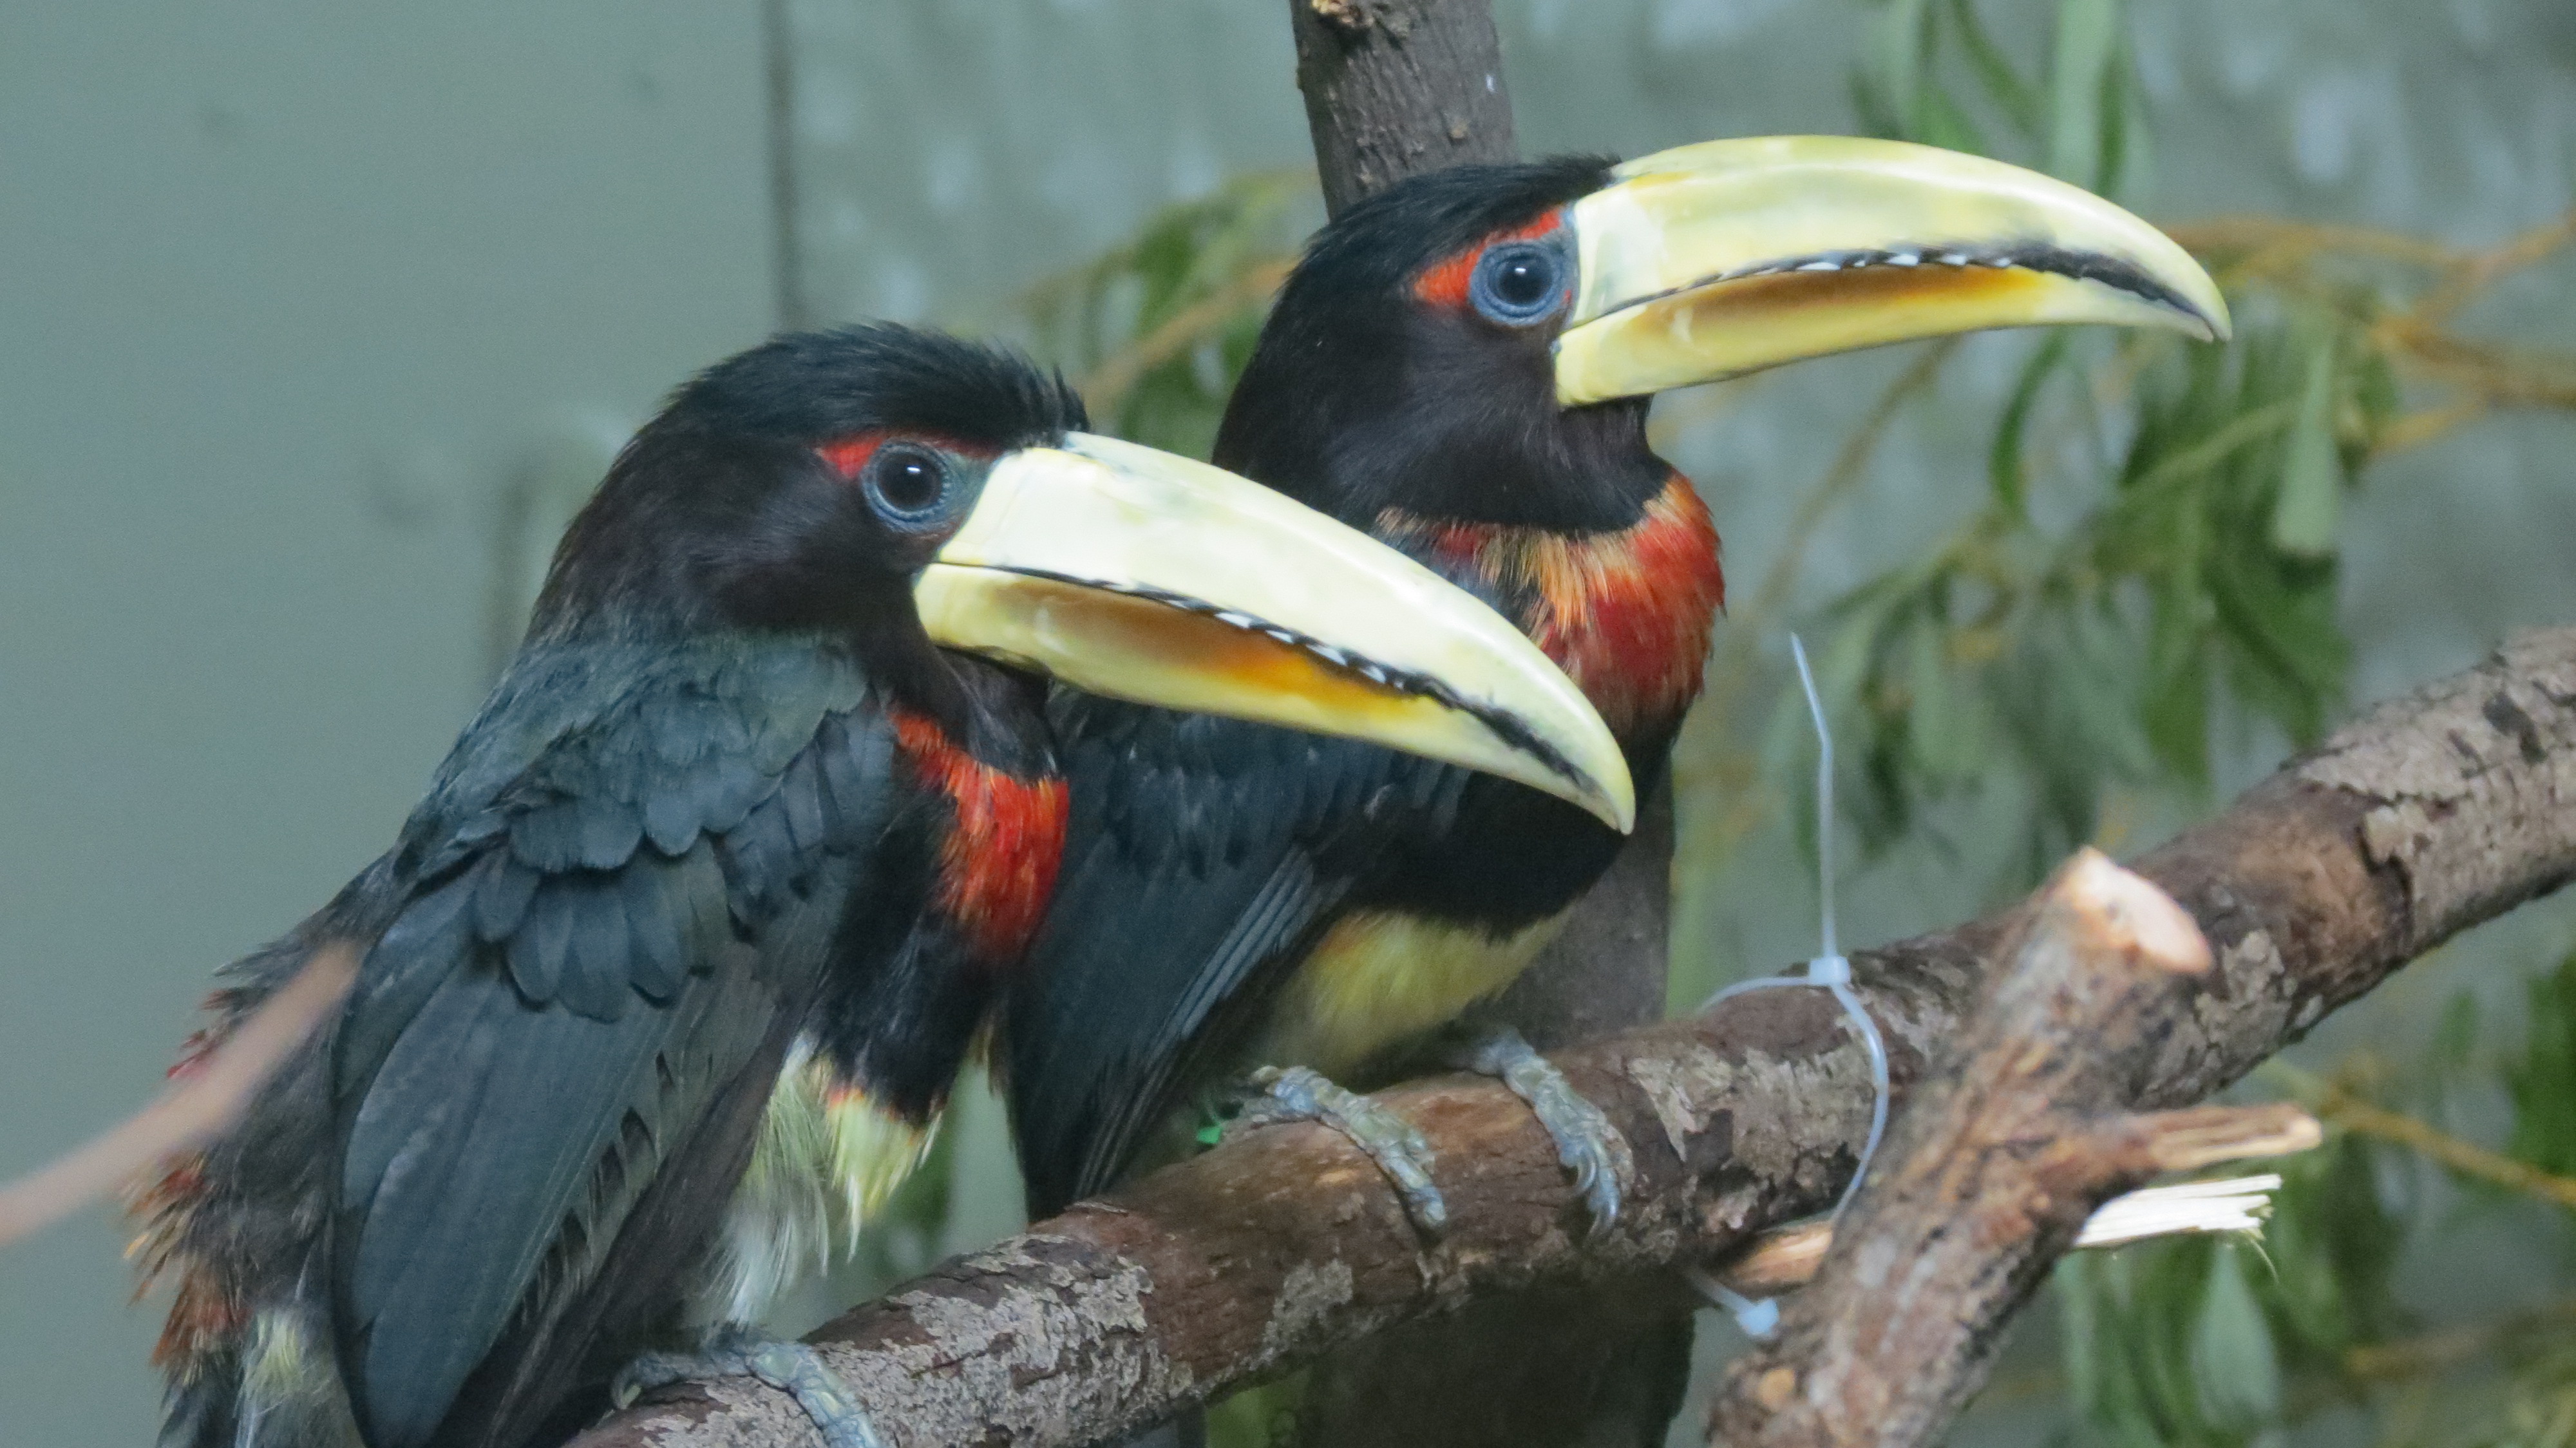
(1461, 365)
(747, 807)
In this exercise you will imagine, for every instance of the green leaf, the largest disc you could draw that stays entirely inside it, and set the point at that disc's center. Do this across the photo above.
(2111, 158)
(2087, 33)
(2309, 507)
(2450, 1054)
(1948, 743)
(2003, 459)
(2167, 1345)
(1195, 265)
(2542, 1082)
(1994, 70)
(2232, 1358)
(2333, 1243)
(1877, 112)
(1904, 54)
(1945, 124)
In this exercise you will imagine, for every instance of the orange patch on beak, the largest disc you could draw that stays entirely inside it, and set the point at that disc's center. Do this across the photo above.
(1144, 628)
(1868, 293)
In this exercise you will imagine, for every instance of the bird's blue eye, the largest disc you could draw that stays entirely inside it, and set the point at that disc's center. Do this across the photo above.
(908, 484)
(1519, 282)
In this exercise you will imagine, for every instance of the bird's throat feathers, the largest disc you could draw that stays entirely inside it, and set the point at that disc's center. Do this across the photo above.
(997, 864)
(1627, 613)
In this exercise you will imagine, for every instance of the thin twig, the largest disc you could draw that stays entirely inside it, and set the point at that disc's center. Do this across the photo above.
(2436, 1352)
(204, 1098)
(1850, 466)
(1107, 384)
(2341, 1107)
(2281, 237)
(1730, 671)
(2479, 270)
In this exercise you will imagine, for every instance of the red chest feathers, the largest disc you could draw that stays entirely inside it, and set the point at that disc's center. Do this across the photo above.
(997, 866)
(1627, 615)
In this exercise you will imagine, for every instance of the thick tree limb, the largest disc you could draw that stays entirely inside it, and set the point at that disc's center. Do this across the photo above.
(2433, 814)
(1396, 87)
(2187, 1140)
(2021, 1132)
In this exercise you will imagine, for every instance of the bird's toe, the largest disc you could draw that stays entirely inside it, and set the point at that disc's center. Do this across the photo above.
(1295, 1093)
(1588, 1145)
(793, 1368)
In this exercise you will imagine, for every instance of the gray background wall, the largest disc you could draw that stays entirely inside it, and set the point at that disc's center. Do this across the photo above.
(294, 295)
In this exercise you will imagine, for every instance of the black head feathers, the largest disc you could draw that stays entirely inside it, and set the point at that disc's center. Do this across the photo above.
(725, 509)
(1377, 387)
(804, 388)
(1384, 241)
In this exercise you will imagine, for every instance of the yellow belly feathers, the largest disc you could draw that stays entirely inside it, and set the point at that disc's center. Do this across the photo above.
(826, 1160)
(1378, 977)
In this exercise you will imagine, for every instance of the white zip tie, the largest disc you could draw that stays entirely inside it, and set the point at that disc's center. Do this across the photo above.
(1831, 971)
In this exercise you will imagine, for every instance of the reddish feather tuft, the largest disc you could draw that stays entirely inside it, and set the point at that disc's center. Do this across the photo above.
(997, 866)
(205, 1313)
(1628, 615)
(204, 1318)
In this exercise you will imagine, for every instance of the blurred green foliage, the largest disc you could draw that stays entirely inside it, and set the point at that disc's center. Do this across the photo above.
(2145, 575)
(1155, 331)
(2153, 568)
(2194, 572)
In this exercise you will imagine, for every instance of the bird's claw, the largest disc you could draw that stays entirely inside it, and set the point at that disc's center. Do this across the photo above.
(791, 1367)
(1295, 1093)
(1585, 1141)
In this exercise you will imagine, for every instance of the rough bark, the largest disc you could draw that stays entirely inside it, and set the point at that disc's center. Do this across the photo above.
(1557, 1366)
(2012, 1141)
(2187, 1140)
(1393, 88)
(1396, 87)
(2433, 814)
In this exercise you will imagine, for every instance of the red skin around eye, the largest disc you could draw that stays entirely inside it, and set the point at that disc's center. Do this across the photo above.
(850, 454)
(1444, 284)
(847, 456)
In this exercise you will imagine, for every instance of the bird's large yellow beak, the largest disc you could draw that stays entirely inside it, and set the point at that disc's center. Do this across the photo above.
(1133, 573)
(1714, 260)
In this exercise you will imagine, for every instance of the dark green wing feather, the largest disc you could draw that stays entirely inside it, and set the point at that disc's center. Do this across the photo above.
(628, 872)
(1202, 856)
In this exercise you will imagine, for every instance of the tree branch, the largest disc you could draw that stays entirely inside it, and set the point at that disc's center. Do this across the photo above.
(2437, 812)
(2018, 1136)
(1396, 87)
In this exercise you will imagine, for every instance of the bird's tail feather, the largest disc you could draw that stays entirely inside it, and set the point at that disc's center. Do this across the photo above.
(270, 1383)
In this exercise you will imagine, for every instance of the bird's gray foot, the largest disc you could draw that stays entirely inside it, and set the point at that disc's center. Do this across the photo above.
(1585, 1142)
(734, 1350)
(1294, 1093)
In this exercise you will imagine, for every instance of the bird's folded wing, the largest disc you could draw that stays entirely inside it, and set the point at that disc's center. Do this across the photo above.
(583, 964)
(1203, 854)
